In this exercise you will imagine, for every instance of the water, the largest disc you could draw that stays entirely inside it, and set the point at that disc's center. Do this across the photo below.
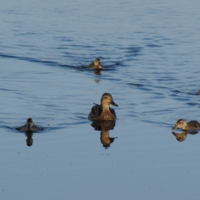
(150, 52)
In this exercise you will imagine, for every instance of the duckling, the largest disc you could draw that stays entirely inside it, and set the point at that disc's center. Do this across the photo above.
(29, 126)
(96, 64)
(103, 111)
(191, 125)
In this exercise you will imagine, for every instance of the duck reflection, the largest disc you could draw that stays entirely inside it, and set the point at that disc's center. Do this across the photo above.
(97, 71)
(29, 140)
(104, 127)
(182, 136)
(96, 80)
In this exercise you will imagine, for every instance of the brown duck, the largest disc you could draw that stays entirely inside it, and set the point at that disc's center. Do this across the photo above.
(96, 64)
(29, 126)
(191, 125)
(103, 111)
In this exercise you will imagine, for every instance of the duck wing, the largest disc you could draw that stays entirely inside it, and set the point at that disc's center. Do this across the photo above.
(22, 128)
(91, 65)
(95, 112)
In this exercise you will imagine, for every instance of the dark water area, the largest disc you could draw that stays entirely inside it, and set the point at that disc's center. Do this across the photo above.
(150, 53)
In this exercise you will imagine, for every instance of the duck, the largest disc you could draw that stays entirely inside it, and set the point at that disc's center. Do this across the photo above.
(103, 111)
(191, 125)
(96, 64)
(29, 126)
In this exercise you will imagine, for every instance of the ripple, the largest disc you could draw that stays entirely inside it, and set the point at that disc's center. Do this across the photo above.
(153, 45)
(135, 84)
(56, 64)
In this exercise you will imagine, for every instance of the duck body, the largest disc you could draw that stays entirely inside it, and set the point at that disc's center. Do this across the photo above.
(98, 114)
(96, 64)
(191, 125)
(29, 126)
(103, 111)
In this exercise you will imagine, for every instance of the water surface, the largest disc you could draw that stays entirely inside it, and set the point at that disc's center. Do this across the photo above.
(150, 52)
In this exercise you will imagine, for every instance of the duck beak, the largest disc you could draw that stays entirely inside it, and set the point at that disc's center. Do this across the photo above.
(114, 104)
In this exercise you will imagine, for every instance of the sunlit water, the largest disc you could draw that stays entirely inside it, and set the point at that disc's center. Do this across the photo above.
(150, 53)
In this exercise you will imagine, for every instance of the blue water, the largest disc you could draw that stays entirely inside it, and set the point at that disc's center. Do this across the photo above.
(150, 53)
